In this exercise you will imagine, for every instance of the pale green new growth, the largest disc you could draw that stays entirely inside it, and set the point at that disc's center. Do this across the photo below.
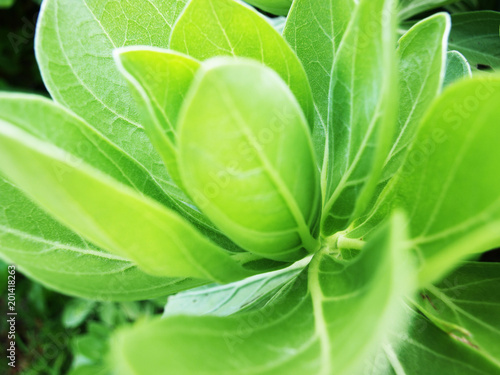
(241, 130)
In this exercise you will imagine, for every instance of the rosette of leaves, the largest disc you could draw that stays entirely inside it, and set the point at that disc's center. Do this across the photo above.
(319, 179)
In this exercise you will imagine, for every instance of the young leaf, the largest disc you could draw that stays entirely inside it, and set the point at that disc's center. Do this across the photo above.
(362, 121)
(466, 305)
(246, 158)
(314, 29)
(110, 214)
(424, 349)
(422, 64)
(60, 259)
(475, 35)
(279, 7)
(233, 29)
(317, 325)
(74, 44)
(457, 67)
(410, 8)
(159, 80)
(454, 152)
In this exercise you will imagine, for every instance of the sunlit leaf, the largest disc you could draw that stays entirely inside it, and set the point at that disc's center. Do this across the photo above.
(247, 161)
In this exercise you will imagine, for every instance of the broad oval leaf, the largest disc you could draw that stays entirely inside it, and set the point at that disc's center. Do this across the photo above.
(111, 214)
(61, 260)
(279, 7)
(326, 322)
(159, 80)
(246, 158)
(231, 28)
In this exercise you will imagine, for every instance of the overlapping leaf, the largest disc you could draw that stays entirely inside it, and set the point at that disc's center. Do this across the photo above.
(81, 180)
(160, 80)
(233, 29)
(422, 63)
(360, 112)
(247, 161)
(316, 325)
(446, 183)
(314, 29)
(74, 46)
(48, 252)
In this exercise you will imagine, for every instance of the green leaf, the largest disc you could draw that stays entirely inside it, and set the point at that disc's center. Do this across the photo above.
(74, 44)
(424, 349)
(279, 7)
(48, 252)
(410, 8)
(111, 214)
(475, 35)
(247, 161)
(233, 29)
(317, 325)
(52, 123)
(457, 67)
(159, 80)
(455, 153)
(314, 29)
(362, 113)
(466, 304)
(223, 300)
(422, 64)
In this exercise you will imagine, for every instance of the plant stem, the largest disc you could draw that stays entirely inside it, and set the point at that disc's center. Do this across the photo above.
(350, 243)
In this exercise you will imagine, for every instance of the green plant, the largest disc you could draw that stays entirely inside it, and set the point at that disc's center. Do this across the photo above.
(321, 177)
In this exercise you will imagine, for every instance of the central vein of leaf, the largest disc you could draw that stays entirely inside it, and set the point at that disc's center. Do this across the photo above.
(321, 327)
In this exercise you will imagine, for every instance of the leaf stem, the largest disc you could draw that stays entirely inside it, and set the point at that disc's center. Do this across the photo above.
(350, 243)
